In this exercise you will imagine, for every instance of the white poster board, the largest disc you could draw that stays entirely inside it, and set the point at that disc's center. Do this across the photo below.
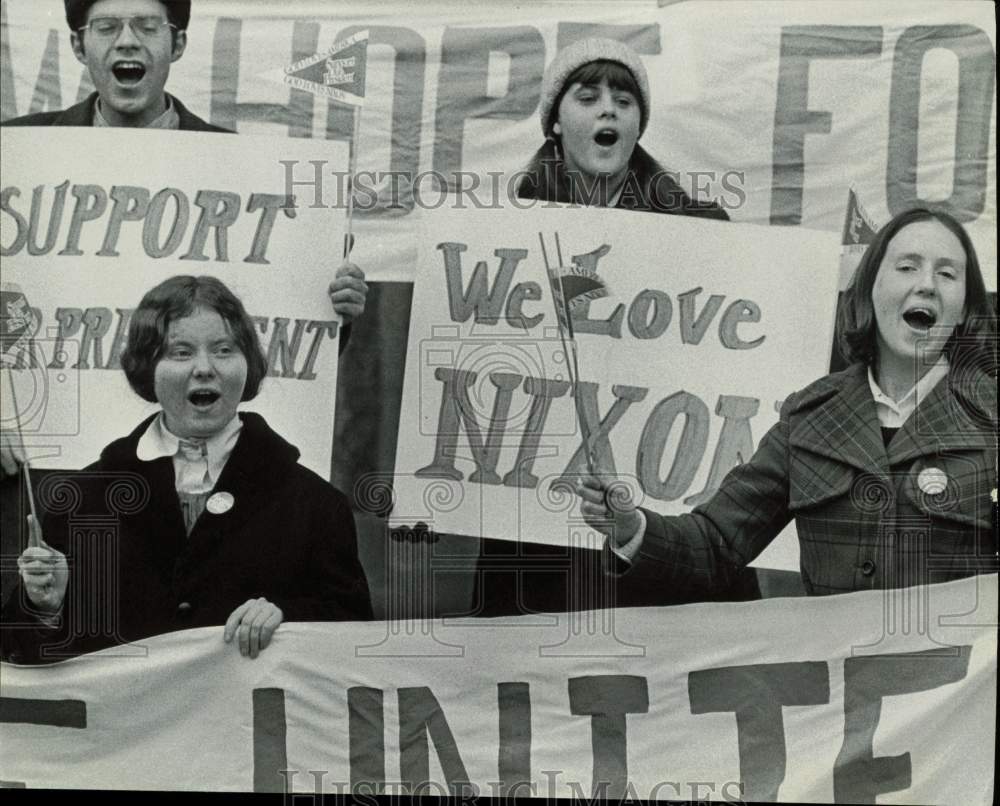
(94, 218)
(705, 333)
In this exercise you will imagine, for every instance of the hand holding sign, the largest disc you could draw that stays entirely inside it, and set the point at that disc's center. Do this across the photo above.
(44, 571)
(348, 291)
(609, 506)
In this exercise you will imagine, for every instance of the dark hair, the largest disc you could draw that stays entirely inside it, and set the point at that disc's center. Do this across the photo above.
(618, 76)
(857, 330)
(174, 299)
(178, 12)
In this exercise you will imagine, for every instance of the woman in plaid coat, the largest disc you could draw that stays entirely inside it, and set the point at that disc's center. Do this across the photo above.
(889, 468)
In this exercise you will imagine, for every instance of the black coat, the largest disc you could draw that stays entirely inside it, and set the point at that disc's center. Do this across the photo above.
(289, 537)
(82, 114)
(648, 187)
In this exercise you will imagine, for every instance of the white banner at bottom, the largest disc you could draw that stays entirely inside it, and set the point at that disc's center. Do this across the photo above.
(886, 696)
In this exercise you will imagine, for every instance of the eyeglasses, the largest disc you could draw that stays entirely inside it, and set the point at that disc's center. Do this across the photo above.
(142, 27)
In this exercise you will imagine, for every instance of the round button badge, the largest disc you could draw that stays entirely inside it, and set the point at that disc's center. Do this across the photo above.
(220, 503)
(932, 481)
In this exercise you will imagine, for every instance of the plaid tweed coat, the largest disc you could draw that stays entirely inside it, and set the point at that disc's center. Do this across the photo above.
(866, 517)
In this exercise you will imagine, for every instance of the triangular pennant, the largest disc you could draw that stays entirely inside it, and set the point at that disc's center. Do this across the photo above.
(338, 74)
(859, 231)
(581, 286)
(858, 225)
(17, 320)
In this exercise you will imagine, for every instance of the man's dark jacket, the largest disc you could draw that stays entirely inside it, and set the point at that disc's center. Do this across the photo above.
(82, 114)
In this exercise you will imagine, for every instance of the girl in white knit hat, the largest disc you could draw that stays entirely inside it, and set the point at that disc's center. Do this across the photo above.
(594, 109)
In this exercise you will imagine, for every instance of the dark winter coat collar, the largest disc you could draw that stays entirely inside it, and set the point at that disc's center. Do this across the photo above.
(836, 417)
(269, 448)
(82, 114)
(648, 186)
(261, 461)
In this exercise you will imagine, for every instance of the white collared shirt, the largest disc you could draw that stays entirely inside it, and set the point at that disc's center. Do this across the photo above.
(169, 119)
(891, 413)
(157, 442)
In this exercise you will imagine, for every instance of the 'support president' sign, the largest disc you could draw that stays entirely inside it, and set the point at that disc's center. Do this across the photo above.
(682, 368)
(879, 695)
(86, 231)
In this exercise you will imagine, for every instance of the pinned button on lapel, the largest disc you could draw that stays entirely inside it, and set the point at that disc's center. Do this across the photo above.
(932, 481)
(220, 503)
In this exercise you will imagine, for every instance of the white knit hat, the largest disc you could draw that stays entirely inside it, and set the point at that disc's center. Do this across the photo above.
(583, 52)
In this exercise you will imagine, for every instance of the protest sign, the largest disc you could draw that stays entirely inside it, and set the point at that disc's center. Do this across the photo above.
(880, 695)
(85, 231)
(682, 367)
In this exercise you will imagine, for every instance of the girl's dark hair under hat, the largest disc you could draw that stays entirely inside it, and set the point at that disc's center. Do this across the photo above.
(595, 49)
(618, 76)
(174, 299)
(178, 12)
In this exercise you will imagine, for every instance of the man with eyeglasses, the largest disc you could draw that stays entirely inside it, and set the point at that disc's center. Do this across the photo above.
(128, 47)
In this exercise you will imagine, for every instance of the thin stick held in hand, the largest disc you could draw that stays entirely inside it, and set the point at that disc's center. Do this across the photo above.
(351, 170)
(25, 468)
(569, 348)
(575, 373)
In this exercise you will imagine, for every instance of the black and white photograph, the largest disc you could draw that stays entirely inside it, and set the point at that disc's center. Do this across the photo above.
(498, 399)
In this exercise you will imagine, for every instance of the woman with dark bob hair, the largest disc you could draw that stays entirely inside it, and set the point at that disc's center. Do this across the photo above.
(216, 523)
(889, 467)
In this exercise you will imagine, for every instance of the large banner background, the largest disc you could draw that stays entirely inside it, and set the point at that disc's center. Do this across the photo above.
(879, 695)
(85, 238)
(800, 99)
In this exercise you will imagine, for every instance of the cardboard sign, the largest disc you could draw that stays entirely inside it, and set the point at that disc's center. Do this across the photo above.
(86, 230)
(682, 368)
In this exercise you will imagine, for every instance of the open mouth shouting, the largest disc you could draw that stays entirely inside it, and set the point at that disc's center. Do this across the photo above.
(606, 138)
(203, 399)
(920, 318)
(128, 72)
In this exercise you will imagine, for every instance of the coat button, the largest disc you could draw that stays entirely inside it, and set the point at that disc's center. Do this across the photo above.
(867, 568)
(184, 609)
